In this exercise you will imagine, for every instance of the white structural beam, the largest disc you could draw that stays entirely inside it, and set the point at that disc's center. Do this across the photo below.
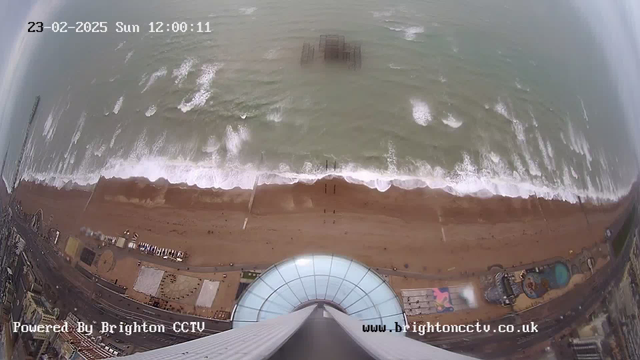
(254, 342)
(387, 346)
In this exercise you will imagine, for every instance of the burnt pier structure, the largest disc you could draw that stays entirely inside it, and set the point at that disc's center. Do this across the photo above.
(334, 48)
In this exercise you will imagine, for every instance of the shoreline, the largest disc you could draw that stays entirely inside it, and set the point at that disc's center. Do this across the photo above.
(454, 183)
(421, 230)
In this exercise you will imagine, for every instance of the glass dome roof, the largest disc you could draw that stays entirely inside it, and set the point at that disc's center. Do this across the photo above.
(344, 283)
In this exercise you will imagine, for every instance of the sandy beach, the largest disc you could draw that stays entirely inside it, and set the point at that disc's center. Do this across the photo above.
(422, 230)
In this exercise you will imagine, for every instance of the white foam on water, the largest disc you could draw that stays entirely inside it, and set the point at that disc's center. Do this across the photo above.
(126, 59)
(150, 111)
(574, 145)
(578, 143)
(120, 45)
(421, 112)
(6, 184)
(143, 79)
(563, 139)
(208, 73)
(247, 10)
(518, 130)
(519, 172)
(546, 158)
(212, 145)
(442, 79)
(549, 149)
(114, 78)
(51, 124)
(490, 176)
(573, 172)
(181, 73)
(155, 76)
(493, 178)
(395, 67)
(140, 149)
(234, 139)
(384, 13)
(533, 118)
(99, 151)
(501, 109)
(271, 54)
(584, 111)
(520, 87)
(118, 105)
(284, 168)
(392, 161)
(212, 148)
(452, 122)
(77, 132)
(29, 153)
(157, 146)
(115, 135)
(275, 114)
(494, 157)
(411, 32)
(566, 179)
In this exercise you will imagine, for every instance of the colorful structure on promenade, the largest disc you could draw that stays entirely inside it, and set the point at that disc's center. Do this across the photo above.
(537, 283)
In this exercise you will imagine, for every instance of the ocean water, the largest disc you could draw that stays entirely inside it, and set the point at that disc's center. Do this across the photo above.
(473, 98)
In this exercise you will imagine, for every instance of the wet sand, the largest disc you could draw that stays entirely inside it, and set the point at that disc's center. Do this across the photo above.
(422, 230)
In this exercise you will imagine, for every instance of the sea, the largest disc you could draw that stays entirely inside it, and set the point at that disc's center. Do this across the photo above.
(478, 98)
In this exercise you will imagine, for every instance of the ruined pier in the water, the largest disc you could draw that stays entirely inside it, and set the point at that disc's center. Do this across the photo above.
(333, 48)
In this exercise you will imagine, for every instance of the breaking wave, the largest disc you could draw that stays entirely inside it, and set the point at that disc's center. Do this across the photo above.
(150, 111)
(118, 105)
(492, 177)
(421, 112)
(204, 91)
(410, 32)
(181, 73)
(275, 115)
(76, 133)
(518, 130)
(128, 57)
(384, 13)
(155, 76)
(452, 122)
(247, 10)
(51, 124)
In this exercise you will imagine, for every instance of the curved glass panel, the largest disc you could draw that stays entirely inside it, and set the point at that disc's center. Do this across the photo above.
(349, 285)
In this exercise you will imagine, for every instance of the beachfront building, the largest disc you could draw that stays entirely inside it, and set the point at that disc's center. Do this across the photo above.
(312, 307)
(73, 345)
(36, 312)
